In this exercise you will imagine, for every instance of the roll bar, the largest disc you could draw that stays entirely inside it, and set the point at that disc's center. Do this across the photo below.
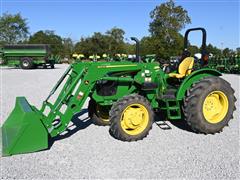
(204, 59)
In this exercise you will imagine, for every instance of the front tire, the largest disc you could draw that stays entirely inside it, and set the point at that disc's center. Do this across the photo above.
(209, 105)
(131, 118)
(98, 114)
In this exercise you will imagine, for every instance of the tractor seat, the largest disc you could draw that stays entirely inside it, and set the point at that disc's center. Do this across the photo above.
(184, 68)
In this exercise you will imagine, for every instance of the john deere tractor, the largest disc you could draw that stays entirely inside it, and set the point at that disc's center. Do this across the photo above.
(125, 96)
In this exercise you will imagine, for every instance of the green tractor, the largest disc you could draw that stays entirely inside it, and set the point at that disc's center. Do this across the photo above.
(124, 95)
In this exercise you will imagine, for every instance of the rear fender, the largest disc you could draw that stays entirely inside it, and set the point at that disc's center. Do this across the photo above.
(194, 77)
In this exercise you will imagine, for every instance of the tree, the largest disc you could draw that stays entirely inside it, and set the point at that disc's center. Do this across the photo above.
(238, 50)
(130, 48)
(116, 40)
(96, 44)
(193, 49)
(13, 29)
(48, 37)
(112, 42)
(148, 45)
(117, 34)
(168, 17)
(167, 21)
(227, 52)
(68, 47)
(213, 50)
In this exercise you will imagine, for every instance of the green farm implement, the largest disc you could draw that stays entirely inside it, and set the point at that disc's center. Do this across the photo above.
(226, 64)
(26, 56)
(235, 67)
(222, 65)
(124, 95)
(234, 64)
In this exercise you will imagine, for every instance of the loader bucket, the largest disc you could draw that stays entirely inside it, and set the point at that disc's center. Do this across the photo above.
(23, 131)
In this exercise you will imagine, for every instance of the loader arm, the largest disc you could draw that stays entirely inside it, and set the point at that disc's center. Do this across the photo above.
(81, 79)
(27, 128)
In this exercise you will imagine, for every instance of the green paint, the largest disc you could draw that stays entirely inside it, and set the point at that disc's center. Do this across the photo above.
(194, 77)
(23, 131)
(27, 128)
(13, 54)
(230, 64)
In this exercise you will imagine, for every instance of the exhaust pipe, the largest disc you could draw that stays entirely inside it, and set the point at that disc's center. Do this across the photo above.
(137, 48)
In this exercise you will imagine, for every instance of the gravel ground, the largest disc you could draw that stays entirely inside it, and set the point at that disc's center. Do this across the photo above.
(90, 152)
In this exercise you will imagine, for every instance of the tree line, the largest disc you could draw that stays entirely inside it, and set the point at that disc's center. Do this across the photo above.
(164, 39)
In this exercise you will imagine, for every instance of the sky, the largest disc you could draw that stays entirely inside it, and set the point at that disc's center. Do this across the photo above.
(81, 18)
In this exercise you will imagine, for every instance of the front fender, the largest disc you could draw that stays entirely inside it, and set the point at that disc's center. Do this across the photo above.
(194, 77)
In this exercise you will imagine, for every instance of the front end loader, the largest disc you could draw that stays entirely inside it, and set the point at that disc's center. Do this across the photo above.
(125, 96)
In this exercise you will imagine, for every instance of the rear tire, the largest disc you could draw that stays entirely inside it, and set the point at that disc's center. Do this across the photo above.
(209, 105)
(26, 63)
(98, 115)
(131, 118)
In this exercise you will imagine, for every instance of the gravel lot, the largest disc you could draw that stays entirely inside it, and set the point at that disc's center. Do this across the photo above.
(92, 153)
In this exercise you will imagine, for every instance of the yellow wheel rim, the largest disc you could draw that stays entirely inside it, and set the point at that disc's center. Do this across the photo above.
(102, 113)
(134, 119)
(215, 107)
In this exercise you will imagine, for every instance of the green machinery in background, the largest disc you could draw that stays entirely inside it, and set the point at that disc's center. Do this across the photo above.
(235, 67)
(107, 57)
(26, 56)
(56, 58)
(226, 64)
(124, 95)
(104, 57)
